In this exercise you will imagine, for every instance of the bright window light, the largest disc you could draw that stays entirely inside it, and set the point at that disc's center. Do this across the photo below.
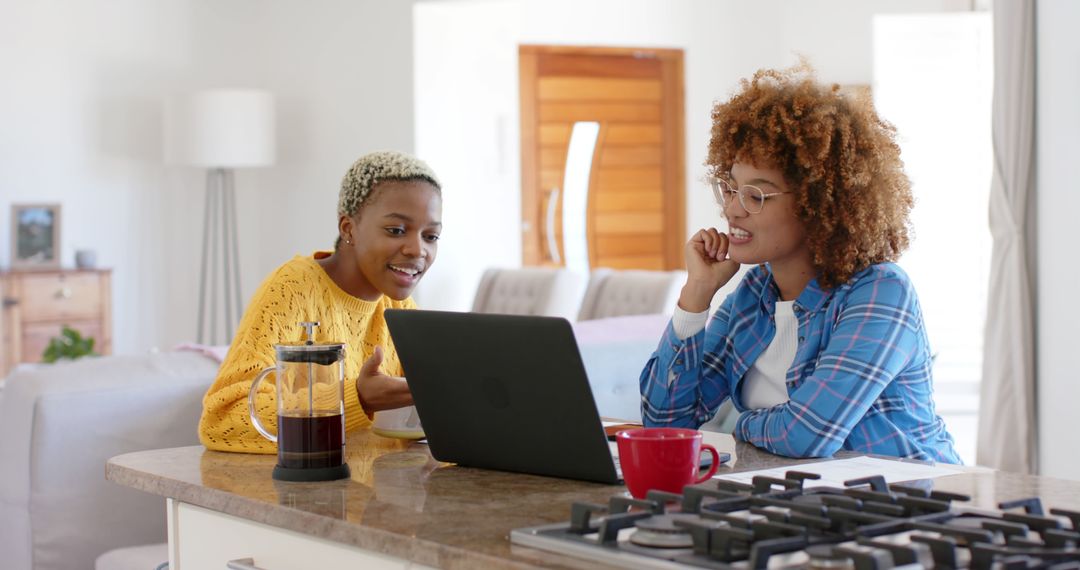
(933, 80)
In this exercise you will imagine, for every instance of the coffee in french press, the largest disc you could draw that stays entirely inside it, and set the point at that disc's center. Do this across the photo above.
(310, 409)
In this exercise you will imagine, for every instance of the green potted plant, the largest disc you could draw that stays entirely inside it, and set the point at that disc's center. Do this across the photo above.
(70, 345)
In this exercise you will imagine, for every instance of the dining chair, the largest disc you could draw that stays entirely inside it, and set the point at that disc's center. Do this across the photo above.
(544, 291)
(615, 293)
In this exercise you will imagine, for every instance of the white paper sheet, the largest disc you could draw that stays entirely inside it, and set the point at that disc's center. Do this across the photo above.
(835, 472)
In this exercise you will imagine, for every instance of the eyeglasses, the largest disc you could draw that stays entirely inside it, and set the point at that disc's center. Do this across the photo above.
(751, 198)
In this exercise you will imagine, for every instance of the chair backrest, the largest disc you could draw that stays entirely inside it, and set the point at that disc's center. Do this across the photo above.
(613, 293)
(545, 291)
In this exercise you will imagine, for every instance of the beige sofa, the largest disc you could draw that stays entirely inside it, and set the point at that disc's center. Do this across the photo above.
(59, 424)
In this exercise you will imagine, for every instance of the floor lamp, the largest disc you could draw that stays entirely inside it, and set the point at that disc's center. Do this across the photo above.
(220, 130)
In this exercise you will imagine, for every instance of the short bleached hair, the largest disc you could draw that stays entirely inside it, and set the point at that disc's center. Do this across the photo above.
(376, 167)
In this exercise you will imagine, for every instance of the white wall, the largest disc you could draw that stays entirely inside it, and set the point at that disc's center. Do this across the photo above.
(82, 84)
(80, 109)
(1057, 124)
(466, 93)
(465, 78)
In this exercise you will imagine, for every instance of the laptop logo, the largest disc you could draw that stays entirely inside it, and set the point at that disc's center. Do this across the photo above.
(495, 392)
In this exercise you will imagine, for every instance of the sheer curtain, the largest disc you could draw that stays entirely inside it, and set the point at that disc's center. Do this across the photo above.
(1007, 418)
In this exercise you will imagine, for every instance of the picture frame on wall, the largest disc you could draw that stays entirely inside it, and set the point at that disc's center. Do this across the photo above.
(35, 236)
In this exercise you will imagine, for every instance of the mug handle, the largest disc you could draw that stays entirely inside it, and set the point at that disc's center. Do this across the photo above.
(259, 427)
(713, 466)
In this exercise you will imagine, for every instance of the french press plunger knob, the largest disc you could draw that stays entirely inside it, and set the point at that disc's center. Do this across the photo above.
(309, 326)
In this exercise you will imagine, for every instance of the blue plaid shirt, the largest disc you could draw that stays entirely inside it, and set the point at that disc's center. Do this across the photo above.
(860, 380)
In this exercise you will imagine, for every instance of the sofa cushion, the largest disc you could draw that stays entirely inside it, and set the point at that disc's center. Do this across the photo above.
(614, 352)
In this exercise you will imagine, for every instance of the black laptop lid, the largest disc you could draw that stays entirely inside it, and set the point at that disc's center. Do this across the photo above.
(502, 392)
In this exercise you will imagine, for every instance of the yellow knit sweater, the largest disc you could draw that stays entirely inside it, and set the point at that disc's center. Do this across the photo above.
(299, 290)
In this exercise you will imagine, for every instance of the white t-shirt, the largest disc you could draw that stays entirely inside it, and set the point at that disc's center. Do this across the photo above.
(765, 384)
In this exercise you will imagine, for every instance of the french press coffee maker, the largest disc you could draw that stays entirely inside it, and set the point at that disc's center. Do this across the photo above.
(310, 409)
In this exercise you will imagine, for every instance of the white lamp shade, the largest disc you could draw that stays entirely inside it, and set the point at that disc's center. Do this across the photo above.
(221, 128)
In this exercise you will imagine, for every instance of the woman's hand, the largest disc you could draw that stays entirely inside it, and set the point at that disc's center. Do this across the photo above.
(708, 269)
(378, 391)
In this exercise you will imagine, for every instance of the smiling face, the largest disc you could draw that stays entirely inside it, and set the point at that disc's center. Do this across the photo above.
(775, 234)
(394, 238)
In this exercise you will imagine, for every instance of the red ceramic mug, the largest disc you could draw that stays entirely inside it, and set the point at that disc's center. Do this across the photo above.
(663, 459)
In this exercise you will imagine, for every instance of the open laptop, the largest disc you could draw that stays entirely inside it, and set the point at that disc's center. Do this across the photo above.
(503, 392)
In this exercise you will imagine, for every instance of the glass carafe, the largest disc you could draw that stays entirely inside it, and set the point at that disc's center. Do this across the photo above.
(310, 409)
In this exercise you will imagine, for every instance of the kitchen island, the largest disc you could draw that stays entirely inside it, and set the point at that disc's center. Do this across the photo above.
(403, 509)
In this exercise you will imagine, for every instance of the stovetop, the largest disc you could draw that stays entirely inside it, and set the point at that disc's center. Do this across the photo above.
(776, 523)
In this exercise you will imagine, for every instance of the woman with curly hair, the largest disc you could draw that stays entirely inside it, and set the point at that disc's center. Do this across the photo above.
(822, 345)
(389, 217)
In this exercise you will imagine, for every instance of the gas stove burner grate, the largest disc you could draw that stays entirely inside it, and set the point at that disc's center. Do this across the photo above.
(661, 531)
(777, 523)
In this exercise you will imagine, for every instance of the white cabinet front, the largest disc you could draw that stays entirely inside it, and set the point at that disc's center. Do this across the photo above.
(203, 539)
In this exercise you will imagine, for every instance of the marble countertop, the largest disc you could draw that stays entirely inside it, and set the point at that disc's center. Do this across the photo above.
(403, 503)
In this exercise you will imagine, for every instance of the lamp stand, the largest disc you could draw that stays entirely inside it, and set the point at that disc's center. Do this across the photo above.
(219, 221)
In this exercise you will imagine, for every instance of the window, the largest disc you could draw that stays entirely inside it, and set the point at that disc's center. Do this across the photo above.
(933, 79)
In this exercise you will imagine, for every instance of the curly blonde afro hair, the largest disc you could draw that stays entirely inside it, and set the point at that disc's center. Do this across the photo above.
(841, 160)
(376, 167)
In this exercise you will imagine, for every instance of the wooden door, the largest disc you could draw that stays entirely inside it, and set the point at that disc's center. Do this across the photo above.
(636, 208)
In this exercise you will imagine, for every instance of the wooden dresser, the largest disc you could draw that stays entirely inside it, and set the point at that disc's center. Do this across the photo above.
(37, 304)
